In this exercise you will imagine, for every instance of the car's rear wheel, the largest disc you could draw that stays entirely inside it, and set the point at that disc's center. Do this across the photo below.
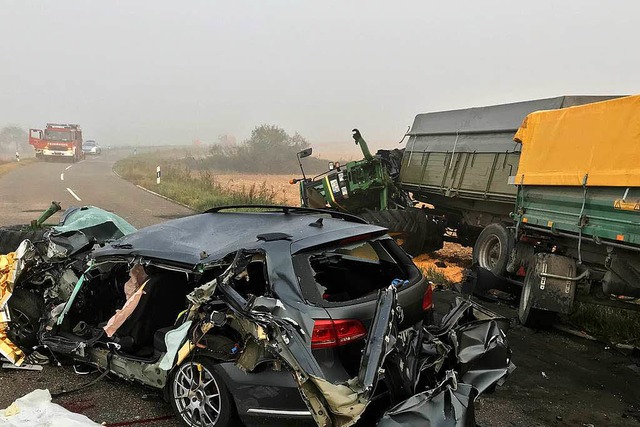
(199, 396)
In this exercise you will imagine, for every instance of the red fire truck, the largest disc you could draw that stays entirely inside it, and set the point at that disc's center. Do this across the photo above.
(57, 140)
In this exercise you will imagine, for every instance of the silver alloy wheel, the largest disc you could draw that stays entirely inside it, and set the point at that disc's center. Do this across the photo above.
(197, 395)
(489, 253)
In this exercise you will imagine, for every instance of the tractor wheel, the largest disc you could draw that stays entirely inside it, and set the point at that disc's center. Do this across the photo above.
(408, 227)
(12, 236)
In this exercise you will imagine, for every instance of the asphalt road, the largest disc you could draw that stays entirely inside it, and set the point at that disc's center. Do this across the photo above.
(28, 191)
(560, 380)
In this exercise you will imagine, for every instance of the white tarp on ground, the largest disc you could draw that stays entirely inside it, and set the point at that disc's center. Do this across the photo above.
(36, 410)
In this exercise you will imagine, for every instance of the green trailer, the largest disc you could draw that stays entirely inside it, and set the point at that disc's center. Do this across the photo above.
(576, 219)
(575, 243)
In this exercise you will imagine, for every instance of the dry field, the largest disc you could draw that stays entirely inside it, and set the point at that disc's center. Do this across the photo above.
(287, 194)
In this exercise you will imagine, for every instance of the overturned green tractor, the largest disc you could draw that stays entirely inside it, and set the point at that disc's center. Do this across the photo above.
(367, 188)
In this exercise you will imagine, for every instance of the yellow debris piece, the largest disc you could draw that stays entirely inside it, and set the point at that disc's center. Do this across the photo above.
(601, 140)
(7, 348)
(12, 410)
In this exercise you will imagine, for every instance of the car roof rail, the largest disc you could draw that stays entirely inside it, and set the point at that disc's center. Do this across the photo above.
(294, 209)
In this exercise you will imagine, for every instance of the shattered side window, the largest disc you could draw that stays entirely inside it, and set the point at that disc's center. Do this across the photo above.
(350, 271)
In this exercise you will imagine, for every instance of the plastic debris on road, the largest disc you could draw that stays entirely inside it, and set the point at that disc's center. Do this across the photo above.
(36, 410)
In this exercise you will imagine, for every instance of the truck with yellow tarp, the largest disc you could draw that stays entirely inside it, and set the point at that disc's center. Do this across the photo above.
(556, 207)
(577, 210)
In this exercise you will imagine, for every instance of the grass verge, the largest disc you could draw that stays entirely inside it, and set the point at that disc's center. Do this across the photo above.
(196, 189)
(6, 167)
(617, 325)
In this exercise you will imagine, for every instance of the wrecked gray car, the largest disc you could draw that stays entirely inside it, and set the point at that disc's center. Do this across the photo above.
(287, 312)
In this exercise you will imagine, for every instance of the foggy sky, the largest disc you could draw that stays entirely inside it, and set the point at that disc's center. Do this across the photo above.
(169, 72)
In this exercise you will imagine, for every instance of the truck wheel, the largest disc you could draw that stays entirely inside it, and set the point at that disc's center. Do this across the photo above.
(529, 316)
(408, 227)
(492, 249)
(25, 309)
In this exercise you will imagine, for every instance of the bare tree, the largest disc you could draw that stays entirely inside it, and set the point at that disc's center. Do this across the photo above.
(13, 138)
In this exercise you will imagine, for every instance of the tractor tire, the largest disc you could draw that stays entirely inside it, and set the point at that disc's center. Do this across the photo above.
(492, 249)
(408, 227)
(12, 236)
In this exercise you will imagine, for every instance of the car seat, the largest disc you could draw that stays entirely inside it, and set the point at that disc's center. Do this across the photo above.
(163, 299)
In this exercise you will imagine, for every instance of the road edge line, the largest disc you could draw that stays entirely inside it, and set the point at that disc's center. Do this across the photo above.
(153, 192)
(164, 197)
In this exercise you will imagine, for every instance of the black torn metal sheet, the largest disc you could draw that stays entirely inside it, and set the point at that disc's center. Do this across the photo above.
(483, 354)
(451, 404)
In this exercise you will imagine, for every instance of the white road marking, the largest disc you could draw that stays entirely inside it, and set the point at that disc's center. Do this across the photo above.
(74, 194)
(68, 167)
(62, 177)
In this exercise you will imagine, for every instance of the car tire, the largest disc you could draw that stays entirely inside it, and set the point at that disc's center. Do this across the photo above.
(492, 249)
(529, 316)
(408, 227)
(197, 392)
(25, 309)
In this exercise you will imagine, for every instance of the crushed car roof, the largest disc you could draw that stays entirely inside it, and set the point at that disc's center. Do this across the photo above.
(207, 237)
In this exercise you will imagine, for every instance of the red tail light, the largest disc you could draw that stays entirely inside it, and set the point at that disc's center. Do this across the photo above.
(427, 299)
(334, 333)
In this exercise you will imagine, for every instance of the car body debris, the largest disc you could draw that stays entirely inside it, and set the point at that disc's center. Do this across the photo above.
(263, 313)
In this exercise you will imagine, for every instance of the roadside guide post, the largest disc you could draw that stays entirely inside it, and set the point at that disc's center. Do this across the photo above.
(158, 175)
(17, 156)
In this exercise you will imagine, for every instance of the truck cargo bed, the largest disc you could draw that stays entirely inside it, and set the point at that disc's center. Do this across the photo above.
(607, 216)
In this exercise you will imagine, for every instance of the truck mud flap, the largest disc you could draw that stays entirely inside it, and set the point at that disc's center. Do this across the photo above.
(549, 293)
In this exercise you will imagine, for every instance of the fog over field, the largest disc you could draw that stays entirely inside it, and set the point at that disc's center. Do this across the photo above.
(160, 72)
